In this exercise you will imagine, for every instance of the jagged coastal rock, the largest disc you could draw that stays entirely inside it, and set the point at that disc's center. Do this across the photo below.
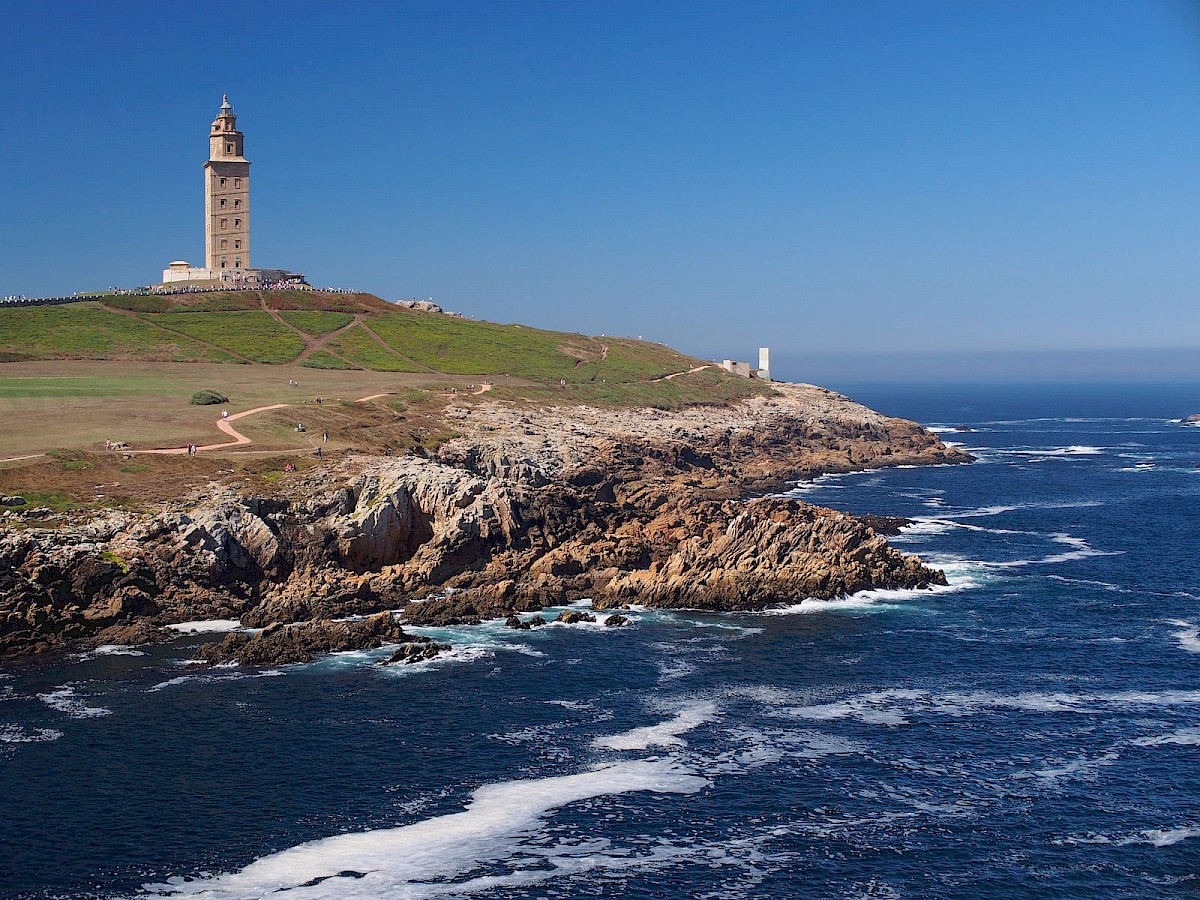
(524, 510)
(303, 641)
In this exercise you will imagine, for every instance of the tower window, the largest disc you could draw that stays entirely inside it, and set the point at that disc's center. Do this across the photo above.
(224, 223)
(224, 262)
(222, 182)
(222, 203)
(237, 245)
(237, 223)
(224, 244)
(237, 204)
(229, 148)
(237, 262)
(237, 182)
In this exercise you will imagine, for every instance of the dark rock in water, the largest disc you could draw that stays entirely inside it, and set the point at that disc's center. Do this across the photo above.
(416, 652)
(571, 617)
(536, 622)
(515, 622)
(129, 635)
(1193, 419)
(963, 428)
(283, 644)
(885, 525)
(616, 621)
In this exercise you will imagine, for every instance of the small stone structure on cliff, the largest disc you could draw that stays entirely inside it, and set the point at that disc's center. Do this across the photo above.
(743, 369)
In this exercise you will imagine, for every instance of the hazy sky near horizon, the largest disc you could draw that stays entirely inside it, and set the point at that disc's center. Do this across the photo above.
(833, 177)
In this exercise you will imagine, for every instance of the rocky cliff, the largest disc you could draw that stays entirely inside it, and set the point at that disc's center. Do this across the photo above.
(526, 509)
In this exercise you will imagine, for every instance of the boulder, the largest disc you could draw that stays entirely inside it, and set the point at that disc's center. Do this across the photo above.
(574, 616)
(304, 641)
(407, 654)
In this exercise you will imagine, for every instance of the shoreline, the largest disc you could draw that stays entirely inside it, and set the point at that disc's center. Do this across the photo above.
(525, 510)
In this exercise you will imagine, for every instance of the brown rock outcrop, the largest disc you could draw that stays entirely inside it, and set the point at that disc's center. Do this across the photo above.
(523, 512)
(304, 641)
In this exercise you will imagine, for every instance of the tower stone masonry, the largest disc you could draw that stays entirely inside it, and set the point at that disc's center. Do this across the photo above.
(226, 195)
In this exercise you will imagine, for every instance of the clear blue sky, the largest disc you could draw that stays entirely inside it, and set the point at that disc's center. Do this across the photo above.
(837, 177)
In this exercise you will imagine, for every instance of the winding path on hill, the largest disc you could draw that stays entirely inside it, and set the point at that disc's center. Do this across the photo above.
(183, 334)
(420, 367)
(239, 439)
(688, 372)
(483, 389)
(312, 343)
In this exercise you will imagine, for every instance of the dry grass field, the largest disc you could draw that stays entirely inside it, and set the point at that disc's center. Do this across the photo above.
(75, 376)
(79, 404)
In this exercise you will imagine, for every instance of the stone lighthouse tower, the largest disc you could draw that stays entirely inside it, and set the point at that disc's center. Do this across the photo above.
(226, 196)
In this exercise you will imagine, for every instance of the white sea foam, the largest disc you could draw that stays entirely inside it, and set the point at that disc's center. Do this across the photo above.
(1188, 636)
(453, 656)
(573, 705)
(860, 602)
(960, 575)
(214, 675)
(15, 734)
(927, 527)
(202, 626)
(673, 669)
(1082, 767)
(969, 571)
(897, 707)
(663, 734)
(115, 650)
(1080, 549)
(1165, 837)
(1073, 450)
(64, 699)
(437, 856)
(1186, 736)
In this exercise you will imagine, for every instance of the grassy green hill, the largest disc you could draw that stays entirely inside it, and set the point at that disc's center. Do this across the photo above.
(332, 331)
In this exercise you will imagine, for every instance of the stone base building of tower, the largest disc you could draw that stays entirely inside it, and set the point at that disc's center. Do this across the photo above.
(227, 217)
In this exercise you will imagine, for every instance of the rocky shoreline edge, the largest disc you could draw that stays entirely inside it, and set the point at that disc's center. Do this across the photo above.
(527, 509)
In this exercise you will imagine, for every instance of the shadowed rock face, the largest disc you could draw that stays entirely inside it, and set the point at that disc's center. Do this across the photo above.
(304, 641)
(621, 507)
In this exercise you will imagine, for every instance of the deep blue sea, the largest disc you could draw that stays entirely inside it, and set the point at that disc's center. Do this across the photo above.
(1033, 730)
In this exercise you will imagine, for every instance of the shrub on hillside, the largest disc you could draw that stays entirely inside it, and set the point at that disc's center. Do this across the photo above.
(207, 398)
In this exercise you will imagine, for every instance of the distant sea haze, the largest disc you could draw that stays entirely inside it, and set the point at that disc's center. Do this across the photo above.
(942, 364)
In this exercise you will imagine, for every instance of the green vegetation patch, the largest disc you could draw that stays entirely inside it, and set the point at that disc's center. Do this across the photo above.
(87, 331)
(324, 300)
(249, 333)
(55, 501)
(140, 304)
(323, 360)
(363, 350)
(458, 346)
(711, 387)
(315, 322)
(216, 302)
(207, 398)
(110, 557)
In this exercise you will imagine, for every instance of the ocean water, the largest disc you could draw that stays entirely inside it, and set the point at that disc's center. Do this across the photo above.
(1032, 730)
